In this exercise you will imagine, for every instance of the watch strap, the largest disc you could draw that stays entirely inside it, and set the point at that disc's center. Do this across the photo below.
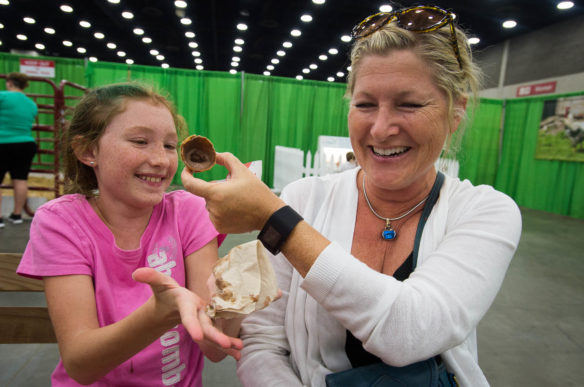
(278, 228)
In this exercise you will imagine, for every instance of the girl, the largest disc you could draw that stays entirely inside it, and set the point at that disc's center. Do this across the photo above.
(118, 231)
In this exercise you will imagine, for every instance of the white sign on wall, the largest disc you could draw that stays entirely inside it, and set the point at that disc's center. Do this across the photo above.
(37, 68)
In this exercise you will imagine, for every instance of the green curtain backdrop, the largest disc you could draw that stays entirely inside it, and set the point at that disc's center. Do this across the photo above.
(479, 152)
(548, 185)
(249, 115)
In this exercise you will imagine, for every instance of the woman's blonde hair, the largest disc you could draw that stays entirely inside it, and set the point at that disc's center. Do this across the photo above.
(91, 116)
(457, 81)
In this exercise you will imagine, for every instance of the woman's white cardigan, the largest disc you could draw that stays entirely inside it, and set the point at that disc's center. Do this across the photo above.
(466, 247)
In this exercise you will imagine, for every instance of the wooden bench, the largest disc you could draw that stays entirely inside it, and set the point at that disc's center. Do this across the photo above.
(22, 324)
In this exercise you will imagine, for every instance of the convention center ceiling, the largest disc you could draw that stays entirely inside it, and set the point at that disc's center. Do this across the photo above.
(210, 34)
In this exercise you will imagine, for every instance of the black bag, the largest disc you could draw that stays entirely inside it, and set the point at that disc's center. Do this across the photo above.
(424, 373)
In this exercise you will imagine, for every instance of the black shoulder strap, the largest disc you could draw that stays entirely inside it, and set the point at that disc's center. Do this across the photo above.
(432, 198)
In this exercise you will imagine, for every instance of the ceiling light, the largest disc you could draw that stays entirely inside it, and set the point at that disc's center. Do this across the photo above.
(81, 50)
(199, 67)
(237, 49)
(267, 73)
(50, 30)
(127, 15)
(147, 40)
(66, 8)
(340, 74)
(235, 59)
(330, 79)
(295, 33)
(114, 1)
(299, 77)
(99, 35)
(333, 51)
(385, 8)
(180, 4)
(160, 57)
(29, 20)
(190, 34)
(281, 53)
(318, 1)
(233, 71)
(121, 54)
(1, 26)
(198, 60)
(193, 44)
(186, 21)
(196, 53)
(287, 44)
(275, 61)
(129, 61)
(138, 31)
(270, 67)
(346, 38)
(313, 66)
(473, 40)
(509, 24)
(306, 18)
(164, 65)
(239, 41)
(39, 46)
(234, 64)
(4, 2)
(305, 71)
(85, 24)
(111, 46)
(92, 59)
(21, 37)
(323, 57)
(67, 43)
(242, 26)
(565, 5)
(154, 52)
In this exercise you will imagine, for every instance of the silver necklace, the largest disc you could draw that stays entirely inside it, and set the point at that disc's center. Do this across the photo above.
(388, 232)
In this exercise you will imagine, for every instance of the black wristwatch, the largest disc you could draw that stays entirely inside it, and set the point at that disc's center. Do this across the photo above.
(278, 228)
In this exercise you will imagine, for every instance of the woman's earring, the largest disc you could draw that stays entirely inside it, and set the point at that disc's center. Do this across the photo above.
(92, 163)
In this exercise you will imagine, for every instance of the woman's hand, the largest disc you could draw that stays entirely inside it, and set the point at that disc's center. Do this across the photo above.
(182, 305)
(241, 203)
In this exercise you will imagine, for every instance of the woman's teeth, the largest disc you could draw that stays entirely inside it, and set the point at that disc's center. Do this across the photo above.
(390, 151)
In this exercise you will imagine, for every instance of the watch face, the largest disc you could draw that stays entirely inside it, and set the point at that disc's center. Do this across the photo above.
(271, 236)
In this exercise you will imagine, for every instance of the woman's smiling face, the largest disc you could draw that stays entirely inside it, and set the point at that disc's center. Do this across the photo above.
(398, 120)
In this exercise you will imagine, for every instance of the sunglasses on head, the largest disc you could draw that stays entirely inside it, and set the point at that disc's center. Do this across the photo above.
(422, 18)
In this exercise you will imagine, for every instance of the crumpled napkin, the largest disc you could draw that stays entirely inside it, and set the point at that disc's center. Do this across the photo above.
(244, 282)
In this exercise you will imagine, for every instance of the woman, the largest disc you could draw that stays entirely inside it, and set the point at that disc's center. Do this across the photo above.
(17, 146)
(394, 264)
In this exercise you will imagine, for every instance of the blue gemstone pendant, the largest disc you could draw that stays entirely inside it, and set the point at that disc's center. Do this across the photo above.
(389, 233)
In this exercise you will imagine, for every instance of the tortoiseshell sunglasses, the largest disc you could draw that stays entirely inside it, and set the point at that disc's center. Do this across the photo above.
(423, 18)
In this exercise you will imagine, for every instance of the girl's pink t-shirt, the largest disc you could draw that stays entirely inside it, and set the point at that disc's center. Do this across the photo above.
(67, 237)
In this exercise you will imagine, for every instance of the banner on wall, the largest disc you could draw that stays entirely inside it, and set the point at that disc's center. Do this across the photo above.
(561, 130)
(37, 67)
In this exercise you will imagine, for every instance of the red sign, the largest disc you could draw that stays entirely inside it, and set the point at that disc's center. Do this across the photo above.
(37, 67)
(540, 88)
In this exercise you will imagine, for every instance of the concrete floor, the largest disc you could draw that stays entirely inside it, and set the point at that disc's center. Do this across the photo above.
(532, 336)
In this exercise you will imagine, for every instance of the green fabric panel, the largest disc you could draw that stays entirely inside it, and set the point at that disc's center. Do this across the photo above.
(548, 185)
(479, 152)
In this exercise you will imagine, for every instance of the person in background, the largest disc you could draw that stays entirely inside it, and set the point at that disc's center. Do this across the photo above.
(125, 264)
(17, 145)
(351, 161)
(387, 269)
